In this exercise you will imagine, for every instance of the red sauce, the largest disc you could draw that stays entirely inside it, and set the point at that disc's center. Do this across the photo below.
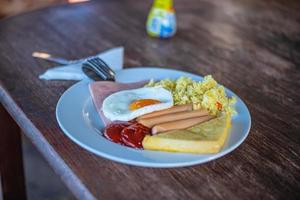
(113, 131)
(127, 133)
(134, 134)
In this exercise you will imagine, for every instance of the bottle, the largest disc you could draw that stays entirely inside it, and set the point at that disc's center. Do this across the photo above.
(161, 20)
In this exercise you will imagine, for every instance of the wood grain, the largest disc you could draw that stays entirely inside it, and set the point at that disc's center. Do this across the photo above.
(252, 47)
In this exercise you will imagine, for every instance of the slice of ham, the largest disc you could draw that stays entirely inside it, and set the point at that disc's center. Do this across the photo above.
(101, 89)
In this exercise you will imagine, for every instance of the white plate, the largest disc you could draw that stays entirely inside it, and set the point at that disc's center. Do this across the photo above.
(79, 120)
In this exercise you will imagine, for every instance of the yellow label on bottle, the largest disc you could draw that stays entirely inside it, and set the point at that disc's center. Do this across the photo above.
(163, 4)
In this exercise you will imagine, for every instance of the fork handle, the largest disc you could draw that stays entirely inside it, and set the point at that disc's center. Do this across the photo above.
(58, 60)
(51, 58)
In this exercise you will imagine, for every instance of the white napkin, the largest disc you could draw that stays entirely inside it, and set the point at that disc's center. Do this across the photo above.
(113, 57)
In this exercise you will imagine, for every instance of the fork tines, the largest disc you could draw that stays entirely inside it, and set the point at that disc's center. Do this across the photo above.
(100, 68)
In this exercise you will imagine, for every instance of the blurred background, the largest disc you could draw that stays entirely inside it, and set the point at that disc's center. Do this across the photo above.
(14, 7)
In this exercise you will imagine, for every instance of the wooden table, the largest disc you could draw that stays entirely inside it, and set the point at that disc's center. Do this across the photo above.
(252, 47)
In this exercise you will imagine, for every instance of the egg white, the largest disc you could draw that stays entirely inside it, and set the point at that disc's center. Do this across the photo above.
(116, 105)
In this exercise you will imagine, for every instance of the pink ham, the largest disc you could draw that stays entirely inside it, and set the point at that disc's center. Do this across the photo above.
(101, 89)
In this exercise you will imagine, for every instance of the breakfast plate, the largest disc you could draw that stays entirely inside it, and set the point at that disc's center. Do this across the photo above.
(79, 120)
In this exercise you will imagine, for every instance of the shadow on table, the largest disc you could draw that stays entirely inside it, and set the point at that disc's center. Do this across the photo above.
(41, 181)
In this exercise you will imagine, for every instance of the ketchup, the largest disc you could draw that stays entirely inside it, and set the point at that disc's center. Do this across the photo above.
(113, 131)
(134, 134)
(127, 133)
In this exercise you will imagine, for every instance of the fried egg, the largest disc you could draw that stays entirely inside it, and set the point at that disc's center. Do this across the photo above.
(129, 104)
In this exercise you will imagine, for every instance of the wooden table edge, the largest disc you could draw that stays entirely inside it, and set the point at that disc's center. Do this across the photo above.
(56, 162)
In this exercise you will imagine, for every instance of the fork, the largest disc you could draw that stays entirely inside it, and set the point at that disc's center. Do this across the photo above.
(93, 67)
(97, 69)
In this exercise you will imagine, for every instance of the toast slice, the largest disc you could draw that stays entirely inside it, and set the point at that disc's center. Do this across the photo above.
(204, 138)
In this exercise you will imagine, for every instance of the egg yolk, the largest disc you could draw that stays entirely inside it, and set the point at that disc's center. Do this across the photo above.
(142, 102)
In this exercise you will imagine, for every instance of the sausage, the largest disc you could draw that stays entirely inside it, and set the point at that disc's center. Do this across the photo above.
(173, 109)
(179, 124)
(150, 122)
